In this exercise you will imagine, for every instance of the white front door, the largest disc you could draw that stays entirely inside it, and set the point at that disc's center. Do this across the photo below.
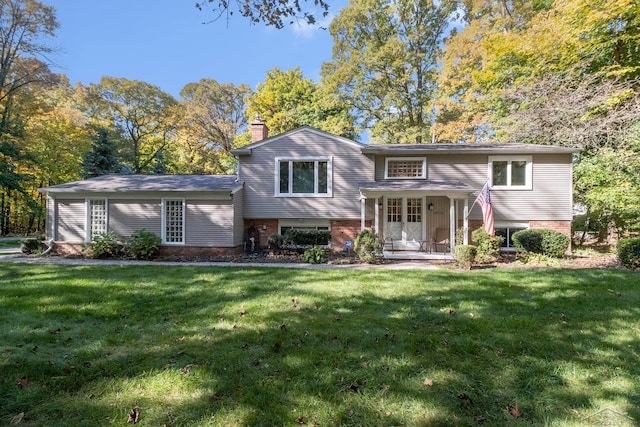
(404, 221)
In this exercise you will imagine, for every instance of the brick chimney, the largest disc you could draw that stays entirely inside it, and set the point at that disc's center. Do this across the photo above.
(259, 129)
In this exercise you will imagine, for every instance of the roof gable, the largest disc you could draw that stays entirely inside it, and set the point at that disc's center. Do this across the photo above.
(247, 149)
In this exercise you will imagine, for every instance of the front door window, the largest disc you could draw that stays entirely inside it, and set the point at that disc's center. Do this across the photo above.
(404, 221)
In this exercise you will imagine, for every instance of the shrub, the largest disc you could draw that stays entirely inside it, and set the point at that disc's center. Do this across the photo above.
(367, 246)
(275, 242)
(542, 241)
(31, 245)
(487, 247)
(465, 255)
(306, 237)
(629, 252)
(107, 245)
(315, 255)
(144, 244)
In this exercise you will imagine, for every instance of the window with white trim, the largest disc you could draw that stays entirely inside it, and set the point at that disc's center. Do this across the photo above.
(513, 172)
(173, 221)
(506, 231)
(304, 177)
(96, 218)
(405, 168)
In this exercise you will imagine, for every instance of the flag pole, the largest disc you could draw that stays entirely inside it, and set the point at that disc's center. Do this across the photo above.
(476, 199)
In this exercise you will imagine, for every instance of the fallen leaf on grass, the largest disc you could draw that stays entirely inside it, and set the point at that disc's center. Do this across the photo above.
(513, 410)
(23, 382)
(464, 397)
(428, 382)
(301, 420)
(134, 416)
(17, 419)
(452, 312)
(480, 419)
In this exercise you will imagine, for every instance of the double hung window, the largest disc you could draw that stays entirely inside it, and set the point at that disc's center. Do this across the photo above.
(304, 177)
(510, 172)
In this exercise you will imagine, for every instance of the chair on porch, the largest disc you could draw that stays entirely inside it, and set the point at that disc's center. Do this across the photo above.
(441, 241)
(387, 244)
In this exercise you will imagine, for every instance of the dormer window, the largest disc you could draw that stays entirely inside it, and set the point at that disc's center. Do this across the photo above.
(405, 168)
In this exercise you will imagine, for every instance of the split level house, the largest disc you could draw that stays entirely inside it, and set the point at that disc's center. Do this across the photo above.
(415, 197)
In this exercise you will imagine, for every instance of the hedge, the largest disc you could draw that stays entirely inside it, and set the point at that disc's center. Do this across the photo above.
(542, 241)
(629, 252)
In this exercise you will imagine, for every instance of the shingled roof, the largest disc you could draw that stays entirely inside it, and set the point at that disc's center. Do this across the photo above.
(138, 183)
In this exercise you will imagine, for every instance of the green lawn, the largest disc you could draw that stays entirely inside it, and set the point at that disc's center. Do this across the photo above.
(10, 244)
(83, 345)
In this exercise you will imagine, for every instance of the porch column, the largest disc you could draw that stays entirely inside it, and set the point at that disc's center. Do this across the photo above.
(452, 222)
(466, 222)
(376, 215)
(362, 212)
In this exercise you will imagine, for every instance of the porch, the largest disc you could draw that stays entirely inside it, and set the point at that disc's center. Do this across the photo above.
(417, 219)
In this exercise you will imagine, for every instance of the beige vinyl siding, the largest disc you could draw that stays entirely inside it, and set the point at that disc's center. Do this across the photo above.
(71, 221)
(50, 218)
(209, 223)
(349, 166)
(128, 216)
(238, 218)
(549, 199)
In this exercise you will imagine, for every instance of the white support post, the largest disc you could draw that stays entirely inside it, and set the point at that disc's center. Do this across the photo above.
(466, 221)
(362, 212)
(452, 222)
(376, 215)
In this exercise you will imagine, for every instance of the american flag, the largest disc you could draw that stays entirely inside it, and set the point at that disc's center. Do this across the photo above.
(484, 201)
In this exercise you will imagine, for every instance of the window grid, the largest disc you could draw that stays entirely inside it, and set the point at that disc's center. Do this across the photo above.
(414, 210)
(394, 210)
(174, 221)
(97, 217)
(405, 169)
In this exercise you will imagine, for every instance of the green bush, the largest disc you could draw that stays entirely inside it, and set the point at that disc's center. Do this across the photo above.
(275, 241)
(629, 252)
(107, 245)
(306, 237)
(144, 244)
(31, 245)
(542, 241)
(367, 246)
(315, 255)
(487, 247)
(465, 255)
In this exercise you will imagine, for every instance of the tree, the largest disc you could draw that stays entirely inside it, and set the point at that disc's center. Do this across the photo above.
(102, 158)
(23, 26)
(271, 12)
(212, 118)
(287, 100)
(385, 64)
(144, 114)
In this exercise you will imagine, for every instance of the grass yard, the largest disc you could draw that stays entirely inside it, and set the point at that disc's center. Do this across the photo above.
(200, 346)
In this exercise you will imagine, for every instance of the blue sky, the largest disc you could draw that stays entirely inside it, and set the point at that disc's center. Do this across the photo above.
(167, 43)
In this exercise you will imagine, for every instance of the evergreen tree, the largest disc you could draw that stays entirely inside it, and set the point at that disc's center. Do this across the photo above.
(101, 160)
